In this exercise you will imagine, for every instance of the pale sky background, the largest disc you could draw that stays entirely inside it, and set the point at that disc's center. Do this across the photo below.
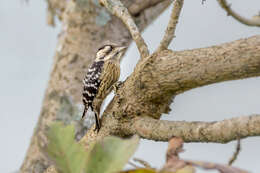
(27, 47)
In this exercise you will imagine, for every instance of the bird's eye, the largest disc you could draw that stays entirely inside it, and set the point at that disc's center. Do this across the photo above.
(101, 48)
(109, 47)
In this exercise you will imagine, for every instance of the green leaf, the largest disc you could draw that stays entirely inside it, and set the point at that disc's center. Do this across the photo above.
(111, 154)
(68, 155)
(106, 156)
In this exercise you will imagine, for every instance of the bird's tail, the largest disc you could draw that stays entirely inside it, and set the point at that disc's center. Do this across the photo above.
(84, 112)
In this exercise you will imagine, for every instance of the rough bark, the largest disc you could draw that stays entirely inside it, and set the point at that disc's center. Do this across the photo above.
(85, 26)
(218, 131)
(170, 30)
(149, 90)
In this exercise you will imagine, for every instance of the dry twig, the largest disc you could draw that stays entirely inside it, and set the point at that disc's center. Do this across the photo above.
(133, 164)
(144, 163)
(117, 8)
(238, 149)
(227, 8)
(169, 33)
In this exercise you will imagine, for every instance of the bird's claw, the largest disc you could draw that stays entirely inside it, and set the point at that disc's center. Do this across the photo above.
(98, 124)
(97, 128)
(117, 85)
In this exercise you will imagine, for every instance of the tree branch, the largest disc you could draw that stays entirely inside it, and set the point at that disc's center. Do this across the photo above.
(236, 153)
(117, 8)
(241, 19)
(169, 33)
(149, 90)
(183, 70)
(220, 132)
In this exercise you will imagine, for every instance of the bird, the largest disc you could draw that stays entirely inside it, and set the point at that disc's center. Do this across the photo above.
(100, 78)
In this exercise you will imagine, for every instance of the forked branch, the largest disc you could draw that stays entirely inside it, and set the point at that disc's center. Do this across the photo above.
(149, 90)
(116, 8)
(170, 30)
(227, 8)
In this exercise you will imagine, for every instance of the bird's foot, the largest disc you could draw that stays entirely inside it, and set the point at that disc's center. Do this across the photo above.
(117, 85)
(98, 124)
(97, 128)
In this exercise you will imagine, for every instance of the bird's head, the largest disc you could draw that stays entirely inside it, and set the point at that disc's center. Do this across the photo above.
(110, 52)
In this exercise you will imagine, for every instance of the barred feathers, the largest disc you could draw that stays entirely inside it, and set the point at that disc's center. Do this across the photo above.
(91, 83)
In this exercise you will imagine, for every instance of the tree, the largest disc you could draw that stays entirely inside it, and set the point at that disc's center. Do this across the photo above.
(145, 95)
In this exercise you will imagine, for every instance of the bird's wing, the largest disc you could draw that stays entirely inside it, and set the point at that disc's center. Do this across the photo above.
(91, 84)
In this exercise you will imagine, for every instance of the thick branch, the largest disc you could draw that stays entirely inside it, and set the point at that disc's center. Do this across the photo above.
(183, 70)
(220, 132)
(227, 8)
(118, 9)
(156, 80)
(169, 33)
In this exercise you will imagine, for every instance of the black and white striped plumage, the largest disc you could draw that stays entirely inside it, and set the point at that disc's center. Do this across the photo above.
(91, 83)
(101, 75)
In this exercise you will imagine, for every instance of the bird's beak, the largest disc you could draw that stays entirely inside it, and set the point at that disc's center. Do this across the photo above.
(122, 48)
(120, 51)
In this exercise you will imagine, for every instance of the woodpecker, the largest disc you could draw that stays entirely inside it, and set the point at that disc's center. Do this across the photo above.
(102, 74)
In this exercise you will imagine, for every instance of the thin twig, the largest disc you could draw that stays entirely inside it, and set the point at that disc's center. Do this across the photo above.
(238, 149)
(230, 12)
(117, 8)
(132, 164)
(144, 163)
(169, 33)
